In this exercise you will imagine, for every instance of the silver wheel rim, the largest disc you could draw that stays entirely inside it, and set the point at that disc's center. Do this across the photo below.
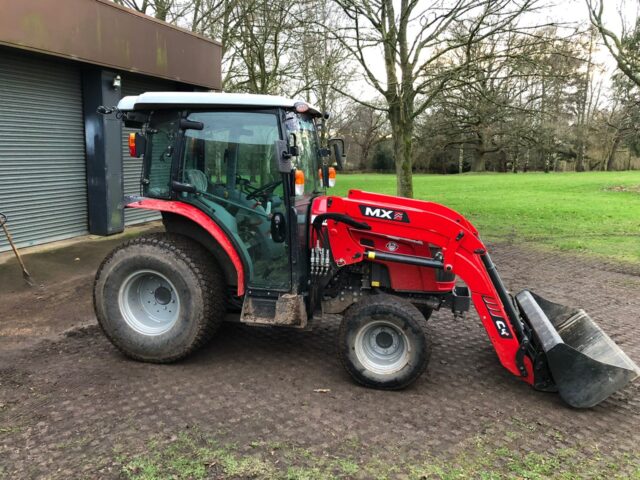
(149, 302)
(382, 347)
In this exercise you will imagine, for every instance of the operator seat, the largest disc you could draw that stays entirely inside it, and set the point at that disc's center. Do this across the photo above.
(198, 179)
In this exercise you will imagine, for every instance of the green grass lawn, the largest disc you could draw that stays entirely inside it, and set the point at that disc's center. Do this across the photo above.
(597, 213)
(194, 456)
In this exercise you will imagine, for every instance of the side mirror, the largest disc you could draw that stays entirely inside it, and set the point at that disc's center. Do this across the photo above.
(337, 146)
(137, 145)
(102, 110)
(278, 227)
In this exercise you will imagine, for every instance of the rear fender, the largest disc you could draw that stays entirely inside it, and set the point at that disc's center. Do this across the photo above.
(178, 209)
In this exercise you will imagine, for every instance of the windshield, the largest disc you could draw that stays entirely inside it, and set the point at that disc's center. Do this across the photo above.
(308, 159)
(234, 147)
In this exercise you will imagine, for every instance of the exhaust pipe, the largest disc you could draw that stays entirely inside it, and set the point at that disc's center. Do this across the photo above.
(586, 365)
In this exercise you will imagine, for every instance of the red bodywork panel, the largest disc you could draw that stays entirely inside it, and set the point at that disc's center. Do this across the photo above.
(202, 219)
(414, 225)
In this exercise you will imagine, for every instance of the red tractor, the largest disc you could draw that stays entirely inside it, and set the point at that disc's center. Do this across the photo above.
(240, 181)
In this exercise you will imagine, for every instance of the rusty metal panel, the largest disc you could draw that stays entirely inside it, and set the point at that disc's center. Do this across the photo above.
(102, 33)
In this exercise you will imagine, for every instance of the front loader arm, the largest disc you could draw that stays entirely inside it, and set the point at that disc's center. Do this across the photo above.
(463, 254)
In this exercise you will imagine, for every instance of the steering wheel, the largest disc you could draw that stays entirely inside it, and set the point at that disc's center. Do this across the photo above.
(264, 190)
(244, 184)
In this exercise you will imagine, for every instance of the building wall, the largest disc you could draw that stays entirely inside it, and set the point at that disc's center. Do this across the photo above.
(61, 163)
(64, 169)
(99, 32)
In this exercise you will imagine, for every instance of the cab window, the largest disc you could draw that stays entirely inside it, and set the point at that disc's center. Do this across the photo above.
(304, 129)
(161, 136)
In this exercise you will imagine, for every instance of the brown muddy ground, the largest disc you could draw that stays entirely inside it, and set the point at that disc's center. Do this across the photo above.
(72, 407)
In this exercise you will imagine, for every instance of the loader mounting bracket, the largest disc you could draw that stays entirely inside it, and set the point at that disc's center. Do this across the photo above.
(520, 356)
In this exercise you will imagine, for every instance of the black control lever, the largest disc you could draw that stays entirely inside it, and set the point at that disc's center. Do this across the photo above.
(340, 217)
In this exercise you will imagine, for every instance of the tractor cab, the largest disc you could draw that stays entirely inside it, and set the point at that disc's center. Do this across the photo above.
(252, 164)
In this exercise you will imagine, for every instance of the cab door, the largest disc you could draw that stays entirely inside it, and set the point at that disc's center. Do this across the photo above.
(233, 166)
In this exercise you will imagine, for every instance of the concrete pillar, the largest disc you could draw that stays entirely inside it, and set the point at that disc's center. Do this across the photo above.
(103, 144)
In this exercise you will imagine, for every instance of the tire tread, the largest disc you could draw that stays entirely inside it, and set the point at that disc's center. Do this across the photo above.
(383, 302)
(210, 280)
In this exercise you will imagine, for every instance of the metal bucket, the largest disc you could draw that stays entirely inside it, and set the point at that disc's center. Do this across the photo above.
(586, 365)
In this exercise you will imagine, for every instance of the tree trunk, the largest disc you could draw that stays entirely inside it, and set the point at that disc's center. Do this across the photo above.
(479, 162)
(402, 149)
(612, 154)
(580, 154)
(162, 9)
(480, 156)
(583, 114)
(402, 133)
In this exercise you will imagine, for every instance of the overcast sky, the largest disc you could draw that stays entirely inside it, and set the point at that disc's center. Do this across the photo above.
(569, 12)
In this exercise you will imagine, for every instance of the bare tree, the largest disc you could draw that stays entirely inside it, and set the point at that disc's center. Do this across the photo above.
(623, 47)
(323, 62)
(415, 43)
(517, 102)
(363, 128)
(262, 46)
(621, 121)
(218, 19)
(142, 6)
(171, 11)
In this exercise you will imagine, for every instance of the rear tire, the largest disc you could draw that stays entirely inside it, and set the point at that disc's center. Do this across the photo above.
(159, 297)
(383, 342)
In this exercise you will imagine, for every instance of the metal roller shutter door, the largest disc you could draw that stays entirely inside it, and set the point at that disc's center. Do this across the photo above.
(43, 181)
(132, 167)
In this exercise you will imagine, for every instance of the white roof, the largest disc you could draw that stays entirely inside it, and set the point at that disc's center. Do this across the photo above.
(149, 100)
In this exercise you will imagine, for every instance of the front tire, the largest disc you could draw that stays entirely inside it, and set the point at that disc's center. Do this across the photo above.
(159, 297)
(383, 342)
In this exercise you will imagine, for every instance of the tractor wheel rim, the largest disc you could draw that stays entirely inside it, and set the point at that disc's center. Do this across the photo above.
(382, 347)
(149, 302)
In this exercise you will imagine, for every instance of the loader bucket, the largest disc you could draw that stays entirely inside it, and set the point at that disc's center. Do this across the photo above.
(586, 365)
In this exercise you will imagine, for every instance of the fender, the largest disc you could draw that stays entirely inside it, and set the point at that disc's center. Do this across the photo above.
(202, 219)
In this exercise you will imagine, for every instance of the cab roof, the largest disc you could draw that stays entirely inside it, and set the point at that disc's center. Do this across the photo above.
(157, 100)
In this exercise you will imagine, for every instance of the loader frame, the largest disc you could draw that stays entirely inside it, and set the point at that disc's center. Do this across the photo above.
(463, 254)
